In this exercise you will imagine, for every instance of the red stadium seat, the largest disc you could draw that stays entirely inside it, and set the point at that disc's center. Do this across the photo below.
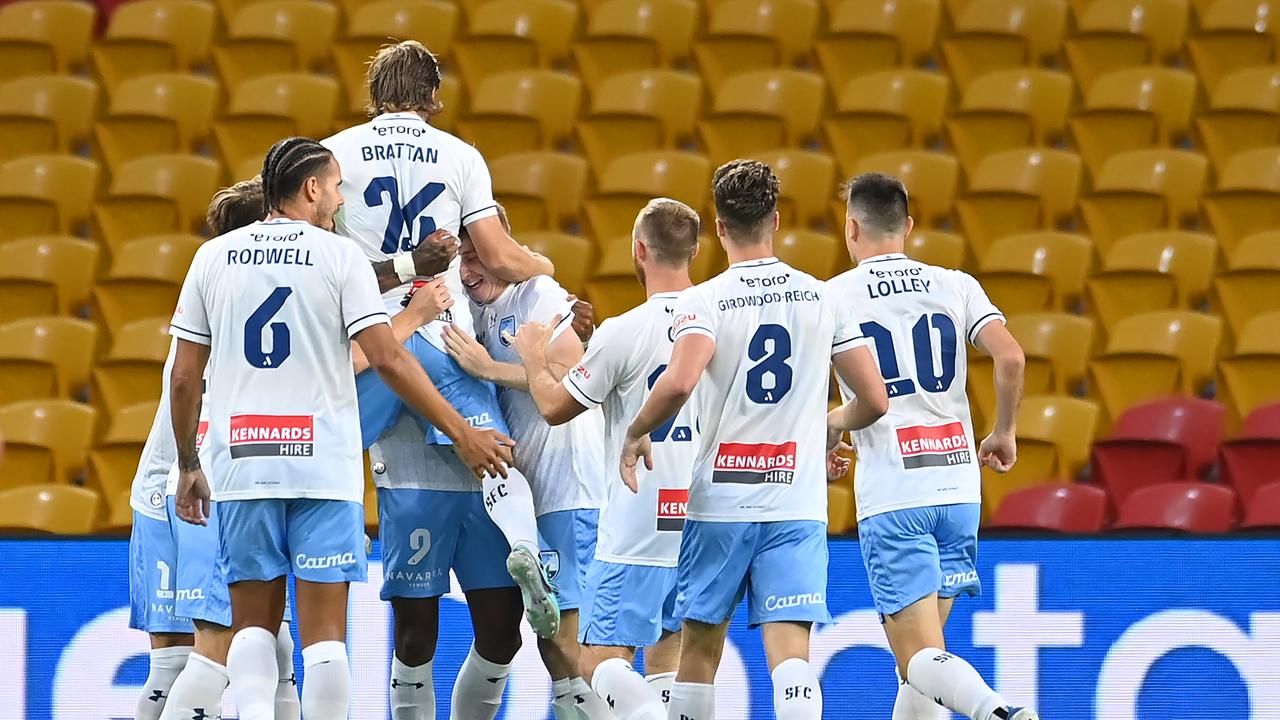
(1252, 458)
(1264, 510)
(1174, 437)
(1069, 508)
(1186, 506)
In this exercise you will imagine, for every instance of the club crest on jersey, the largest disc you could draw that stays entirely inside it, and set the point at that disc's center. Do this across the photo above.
(933, 446)
(755, 463)
(551, 561)
(272, 436)
(506, 326)
(672, 503)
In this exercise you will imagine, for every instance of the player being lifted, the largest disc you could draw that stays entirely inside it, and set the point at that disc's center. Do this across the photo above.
(403, 179)
(270, 310)
(918, 485)
(765, 334)
(632, 583)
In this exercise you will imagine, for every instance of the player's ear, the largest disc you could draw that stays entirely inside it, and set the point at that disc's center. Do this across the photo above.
(850, 229)
(311, 189)
(639, 249)
(720, 231)
(911, 224)
(777, 219)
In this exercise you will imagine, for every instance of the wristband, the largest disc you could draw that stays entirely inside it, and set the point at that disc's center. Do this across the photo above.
(404, 267)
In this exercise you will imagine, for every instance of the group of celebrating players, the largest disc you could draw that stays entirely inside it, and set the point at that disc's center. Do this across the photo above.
(623, 487)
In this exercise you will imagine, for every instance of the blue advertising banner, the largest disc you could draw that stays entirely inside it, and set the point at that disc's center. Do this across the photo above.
(1108, 629)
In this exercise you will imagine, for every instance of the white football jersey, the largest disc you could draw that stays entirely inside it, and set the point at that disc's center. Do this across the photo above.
(626, 355)
(917, 318)
(564, 464)
(762, 400)
(403, 179)
(159, 454)
(278, 302)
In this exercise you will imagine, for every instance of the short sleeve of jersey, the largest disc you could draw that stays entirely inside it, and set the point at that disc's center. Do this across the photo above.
(691, 315)
(362, 306)
(848, 333)
(548, 300)
(978, 308)
(597, 373)
(190, 319)
(477, 191)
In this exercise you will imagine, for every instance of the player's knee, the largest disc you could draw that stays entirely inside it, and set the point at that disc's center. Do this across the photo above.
(497, 647)
(415, 639)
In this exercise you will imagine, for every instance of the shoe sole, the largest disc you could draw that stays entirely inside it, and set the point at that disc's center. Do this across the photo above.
(540, 606)
(1025, 714)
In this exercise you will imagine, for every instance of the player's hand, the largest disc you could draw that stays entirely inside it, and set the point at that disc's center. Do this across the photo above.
(428, 301)
(547, 267)
(468, 352)
(484, 452)
(633, 449)
(834, 434)
(838, 465)
(434, 253)
(999, 451)
(192, 500)
(584, 318)
(531, 338)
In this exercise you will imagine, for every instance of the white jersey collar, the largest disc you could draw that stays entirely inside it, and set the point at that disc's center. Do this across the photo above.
(758, 262)
(409, 115)
(885, 258)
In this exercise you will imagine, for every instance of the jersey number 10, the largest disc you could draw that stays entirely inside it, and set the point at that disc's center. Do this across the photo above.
(896, 382)
(400, 220)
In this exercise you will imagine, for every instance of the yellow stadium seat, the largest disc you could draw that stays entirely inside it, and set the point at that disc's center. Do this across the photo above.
(571, 254)
(1008, 109)
(1018, 191)
(1163, 270)
(44, 36)
(521, 111)
(45, 357)
(1249, 374)
(762, 109)
(998, 34)
(1155, 354)
(931, 179)
(510, 35)
(811, 252)
(268, 108)
(890, 110)
(807, 182)
(540, 190)
(612, 287)
(1143, 190)
(746, 35)
(632, 180)
(1057, 347)
(157, 194)
(114, 460)
(639, 111)
(1121, 34)
(1034, 272)
(1247, 199)
(1244, 114)
(130, 373)
(1247, 288)
(45, 276)
(935, 247)
(46, 194)
(45, 441)
(868, 37)
(1233, 35)
(839, 509)
(144, 279)
(165, 113)
(626, 35)
(118, 514)
(45, 114)
(55, 510)
(1134, 109)
(1054, 435)
(154, 36)
(279, 36)
(431, 22)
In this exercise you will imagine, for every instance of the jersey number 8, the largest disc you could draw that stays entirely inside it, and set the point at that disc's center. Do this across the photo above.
(769, 380)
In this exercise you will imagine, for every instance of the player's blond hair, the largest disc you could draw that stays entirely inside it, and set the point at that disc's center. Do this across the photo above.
(236, 206)
(670, 229)
(404, 77)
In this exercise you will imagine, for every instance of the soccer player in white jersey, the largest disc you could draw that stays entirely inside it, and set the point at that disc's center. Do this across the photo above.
(270, 310)
(765, 334)
(404, 178)
(632, 584)
(918, 484)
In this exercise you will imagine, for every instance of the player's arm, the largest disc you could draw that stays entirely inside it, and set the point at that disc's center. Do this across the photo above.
(562, 352)
(186, 385)
(431, 257)
(858, 369)
(545, 365)
(425, 305)
(999, 450)
(689, 358)
(505, 257)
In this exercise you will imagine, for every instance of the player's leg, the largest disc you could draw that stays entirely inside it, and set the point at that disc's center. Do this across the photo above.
(288, 703)
(788, 584)
(152, 558)
(660, 663)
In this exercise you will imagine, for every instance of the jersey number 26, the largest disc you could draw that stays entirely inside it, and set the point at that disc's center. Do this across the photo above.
(400, 220)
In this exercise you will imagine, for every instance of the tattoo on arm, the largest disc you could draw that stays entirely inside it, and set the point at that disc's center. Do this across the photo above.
(188, 451)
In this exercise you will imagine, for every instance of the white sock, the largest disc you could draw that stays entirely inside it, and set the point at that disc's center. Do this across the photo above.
(326, 692)
(911, 705)
(564, 706)
(796, 692)
(252, 670)
(661, 683)
(953, 682)
(287, 705)
(198, 690)
(589, 703)
(630, 696)
(692, 701)
(509, 503)
(166, 663)
(477, 693)
(413, 693)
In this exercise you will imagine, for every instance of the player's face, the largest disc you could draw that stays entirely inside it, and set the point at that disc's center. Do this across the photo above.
(480, 285)
(330, 199)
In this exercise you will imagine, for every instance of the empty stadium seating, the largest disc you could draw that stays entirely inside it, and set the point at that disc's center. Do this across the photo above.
(45, 357)
(58, 510)
(1246, 288)
(1181, 506)
(1060, 507)
(867, 37)
(44, 36)
(1168, 270)
(1244, 113)
(1054, 434)
(45, 114)
(45, 441)
(1249, 373)
(1155, 354)
(154, 36)
(49, 275)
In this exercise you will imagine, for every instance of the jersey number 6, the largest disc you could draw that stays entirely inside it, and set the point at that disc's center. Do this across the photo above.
(667, 430)
(257, 322)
